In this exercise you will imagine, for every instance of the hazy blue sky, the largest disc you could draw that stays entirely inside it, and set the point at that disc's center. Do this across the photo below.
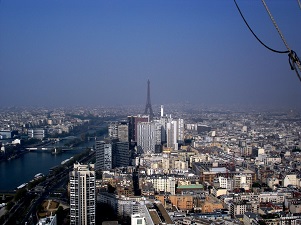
(90, 52)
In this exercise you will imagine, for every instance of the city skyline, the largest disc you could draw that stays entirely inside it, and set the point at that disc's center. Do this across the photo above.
(102, 53)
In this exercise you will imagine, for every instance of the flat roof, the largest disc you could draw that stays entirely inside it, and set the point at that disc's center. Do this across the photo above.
(191, 186)
(164, 214)
(218, 169)
(155, 217)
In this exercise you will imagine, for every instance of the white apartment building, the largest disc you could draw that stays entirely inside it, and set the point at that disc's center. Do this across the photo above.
(124, 206)
(271, 160)
(238, 208)
(242, 181)
(224, 182)
(273, 197)
(138, 219)
(291, 179)
(148, 136)
(119, 130)
(180, 166)
(50, 220)
(37, 133)
(171, 135)
(113, 129)
(82, 195)
(163, 183)
(123, 132)
(175, 133)
(180, 131)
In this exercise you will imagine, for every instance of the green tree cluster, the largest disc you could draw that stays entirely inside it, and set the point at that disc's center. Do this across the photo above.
(20, 194)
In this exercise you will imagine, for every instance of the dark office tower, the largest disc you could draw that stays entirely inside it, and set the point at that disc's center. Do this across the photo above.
(148, 106)
(111, 153)
(103, 152)
(121, 154)
(132, 123)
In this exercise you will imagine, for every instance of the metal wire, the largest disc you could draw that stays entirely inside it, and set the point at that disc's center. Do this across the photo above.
(293, 58)
(299, 3)
(242, 16)
(276, 26)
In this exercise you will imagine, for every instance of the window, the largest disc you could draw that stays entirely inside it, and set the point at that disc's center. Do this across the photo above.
(139, 221)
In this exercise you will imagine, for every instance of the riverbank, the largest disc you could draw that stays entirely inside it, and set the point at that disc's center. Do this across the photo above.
(20, 170)
(14, 156)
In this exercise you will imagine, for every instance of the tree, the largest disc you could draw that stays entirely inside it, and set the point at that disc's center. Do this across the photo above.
(83, 136)
(20, 194)
(60, 215)
(98, 175)
(111, 189)
(256, 185)
(9, 205)
(104, 212)
(188, 141)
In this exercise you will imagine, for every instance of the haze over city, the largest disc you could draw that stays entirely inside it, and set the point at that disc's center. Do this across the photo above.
(150, 112)
(66, 53)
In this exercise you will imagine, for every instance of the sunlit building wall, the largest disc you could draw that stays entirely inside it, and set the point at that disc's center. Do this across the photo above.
(148, 136)
(82, 195)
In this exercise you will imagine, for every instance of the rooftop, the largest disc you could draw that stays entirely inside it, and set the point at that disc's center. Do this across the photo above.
(191, 186)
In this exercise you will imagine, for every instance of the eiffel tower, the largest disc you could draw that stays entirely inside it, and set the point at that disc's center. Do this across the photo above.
(148, 106)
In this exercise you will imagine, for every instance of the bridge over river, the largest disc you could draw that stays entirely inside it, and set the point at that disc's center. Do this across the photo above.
(55, 149)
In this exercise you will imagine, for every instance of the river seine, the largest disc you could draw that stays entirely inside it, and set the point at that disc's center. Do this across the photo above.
(21, 170)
